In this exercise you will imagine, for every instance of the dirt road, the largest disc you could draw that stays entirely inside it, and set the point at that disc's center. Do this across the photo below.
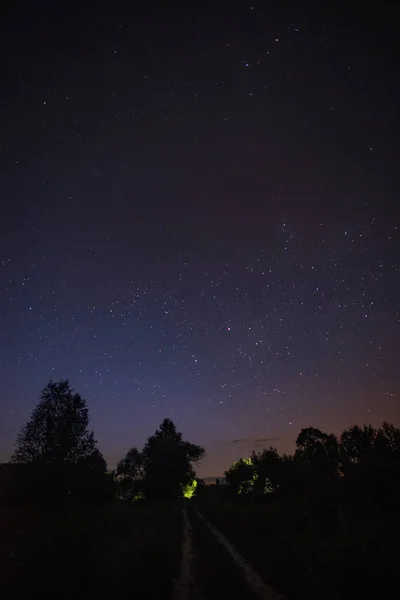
(212, 569)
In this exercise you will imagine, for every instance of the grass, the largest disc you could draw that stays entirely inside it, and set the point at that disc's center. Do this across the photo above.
(302, 559)
(86, 552)
(135, 550)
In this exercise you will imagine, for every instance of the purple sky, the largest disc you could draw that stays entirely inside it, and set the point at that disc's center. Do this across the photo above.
(199, 221)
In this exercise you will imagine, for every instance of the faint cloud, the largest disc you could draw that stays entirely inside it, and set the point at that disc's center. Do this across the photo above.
(254, 440)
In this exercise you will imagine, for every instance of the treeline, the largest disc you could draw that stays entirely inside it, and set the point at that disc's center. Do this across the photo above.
(338, 478)
(323, 522)
(56, 458)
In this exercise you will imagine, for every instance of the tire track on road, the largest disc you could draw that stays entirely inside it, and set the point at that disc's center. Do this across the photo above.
(185, 588)
(253, 579)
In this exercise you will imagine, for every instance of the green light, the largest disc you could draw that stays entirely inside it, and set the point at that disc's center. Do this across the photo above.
(139, 496)
(189, 489)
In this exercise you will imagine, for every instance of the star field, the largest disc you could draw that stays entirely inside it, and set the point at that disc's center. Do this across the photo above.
(200, 221)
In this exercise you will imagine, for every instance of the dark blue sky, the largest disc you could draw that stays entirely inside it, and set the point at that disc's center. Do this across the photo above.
(199, 220)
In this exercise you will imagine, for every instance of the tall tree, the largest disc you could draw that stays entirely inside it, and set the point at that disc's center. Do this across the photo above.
(57, 432)
(168, 463)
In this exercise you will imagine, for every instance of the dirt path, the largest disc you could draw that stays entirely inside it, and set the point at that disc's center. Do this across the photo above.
(212, 569)
(185, 589)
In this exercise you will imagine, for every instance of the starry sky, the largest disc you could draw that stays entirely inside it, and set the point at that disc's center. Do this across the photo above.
(199, 219)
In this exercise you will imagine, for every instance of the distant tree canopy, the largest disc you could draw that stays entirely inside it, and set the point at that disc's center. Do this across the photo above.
(164, 469)
(319, 450)
(364, 462)
(371, 465)
(57, 432)
(366, 443)
(242, 475)
(365, 459)
(262, 473)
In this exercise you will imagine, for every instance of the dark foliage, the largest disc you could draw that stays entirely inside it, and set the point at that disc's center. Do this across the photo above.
(162, 469)
(38, 484)
(240, 476)
(328, 515)
(168, 463)
(56, 452)
(57, 432)
(319, 450)
(359, 472)
(371, 467)
(129, 473)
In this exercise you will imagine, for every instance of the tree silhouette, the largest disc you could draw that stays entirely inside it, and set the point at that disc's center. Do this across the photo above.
(365, 443)
(57, 432)
(130, 472)
(329, 484)
(357, 443)
(167, 463)
(242, 476)
(391, 436)
(371, 466)
(265, 473)
(268, 466)
(319, 450)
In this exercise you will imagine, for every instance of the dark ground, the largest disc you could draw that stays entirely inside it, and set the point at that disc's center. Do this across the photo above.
(298, 555)
(135, 550)
(89, 552)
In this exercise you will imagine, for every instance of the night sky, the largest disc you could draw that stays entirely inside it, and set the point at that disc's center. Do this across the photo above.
(199, 219)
